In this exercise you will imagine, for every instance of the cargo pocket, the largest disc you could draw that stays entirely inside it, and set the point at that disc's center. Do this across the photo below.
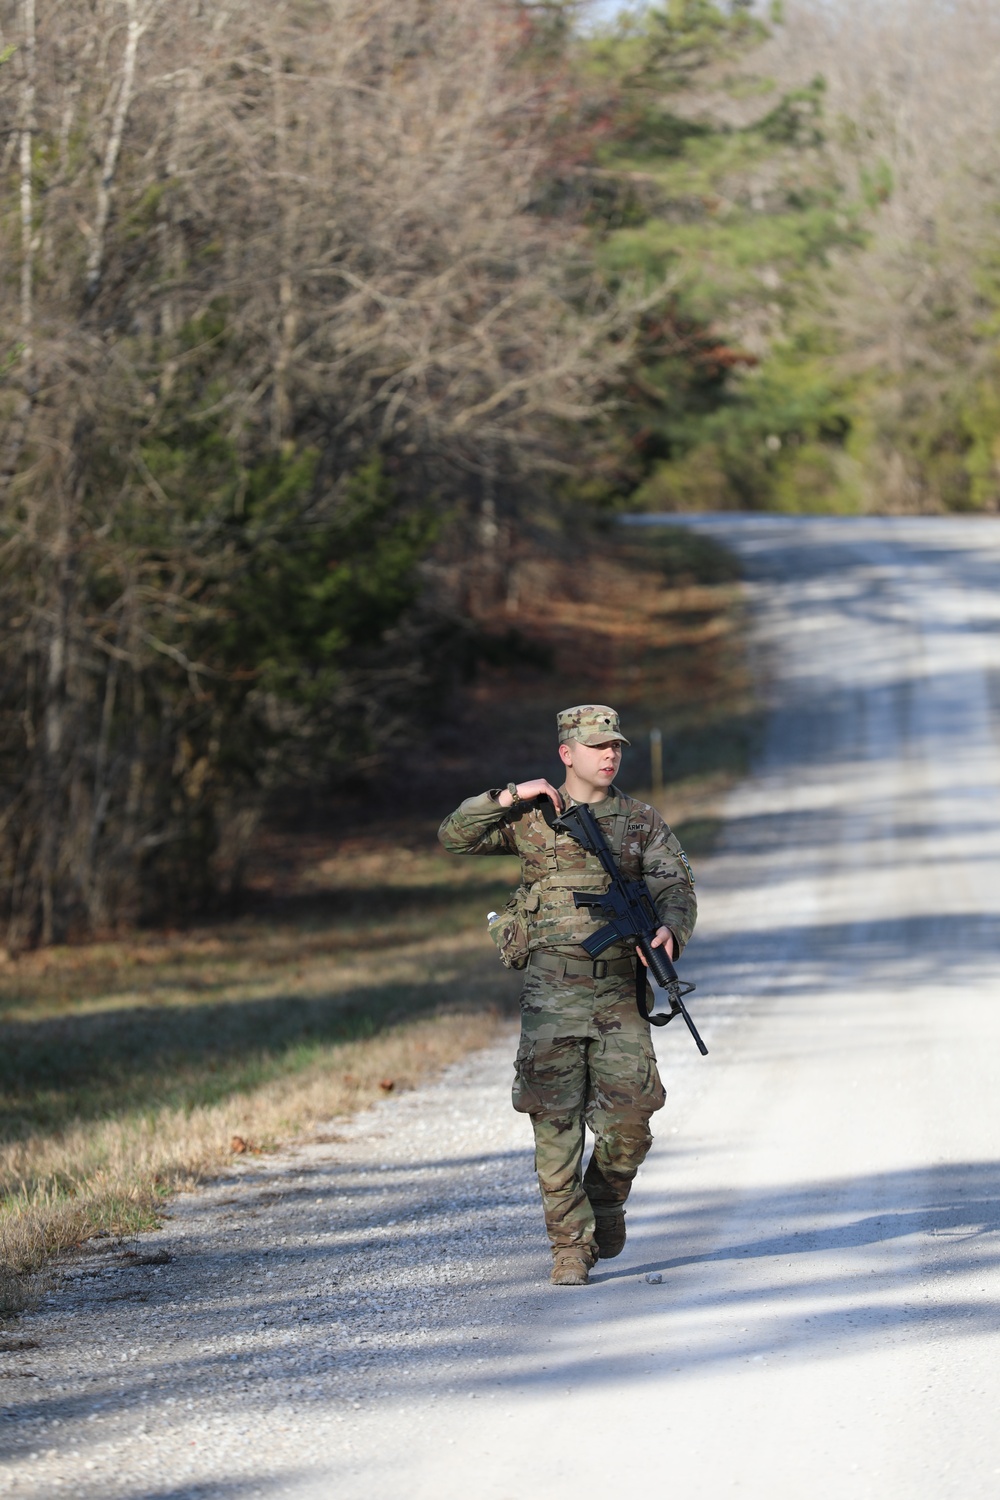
(654, 1095)
(524, 1095)
(624, 1076)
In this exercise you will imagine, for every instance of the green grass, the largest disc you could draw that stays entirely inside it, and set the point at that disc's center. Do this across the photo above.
(123, 1028)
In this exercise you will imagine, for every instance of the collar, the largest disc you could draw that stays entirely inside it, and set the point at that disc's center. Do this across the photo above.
(614, 802)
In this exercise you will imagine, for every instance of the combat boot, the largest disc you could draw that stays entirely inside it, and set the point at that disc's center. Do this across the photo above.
(609, 1235)
(571, 1265)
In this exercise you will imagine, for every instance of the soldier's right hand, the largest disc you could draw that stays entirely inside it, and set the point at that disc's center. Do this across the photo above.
(527, 790)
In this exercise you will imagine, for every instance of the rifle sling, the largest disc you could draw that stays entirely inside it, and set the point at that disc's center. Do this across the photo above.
(642, 996)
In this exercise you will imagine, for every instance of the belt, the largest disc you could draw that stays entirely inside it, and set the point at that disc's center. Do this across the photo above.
(573, 968)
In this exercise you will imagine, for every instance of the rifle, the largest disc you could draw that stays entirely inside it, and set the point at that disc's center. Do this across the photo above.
(630, 916)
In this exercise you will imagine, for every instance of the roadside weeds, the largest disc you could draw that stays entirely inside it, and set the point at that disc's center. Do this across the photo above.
(111, 1178)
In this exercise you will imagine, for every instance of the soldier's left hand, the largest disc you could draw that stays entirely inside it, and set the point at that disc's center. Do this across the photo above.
(664, 939)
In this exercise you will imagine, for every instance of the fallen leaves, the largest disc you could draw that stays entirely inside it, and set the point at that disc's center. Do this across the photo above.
(239, 1145)
(159, 1257)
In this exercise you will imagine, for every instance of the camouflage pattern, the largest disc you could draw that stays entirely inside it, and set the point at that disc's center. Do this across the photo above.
(585, 1057)
(554, 865)
(590, 724)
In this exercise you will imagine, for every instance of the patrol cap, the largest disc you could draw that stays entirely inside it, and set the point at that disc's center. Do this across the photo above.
(590, 724)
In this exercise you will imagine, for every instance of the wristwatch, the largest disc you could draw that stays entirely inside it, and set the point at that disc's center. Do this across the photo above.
(515, 795)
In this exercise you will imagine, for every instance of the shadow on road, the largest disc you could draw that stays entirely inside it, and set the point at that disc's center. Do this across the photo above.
(825, 1310)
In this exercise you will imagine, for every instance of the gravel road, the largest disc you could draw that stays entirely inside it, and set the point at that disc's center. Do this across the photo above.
(809, 1302)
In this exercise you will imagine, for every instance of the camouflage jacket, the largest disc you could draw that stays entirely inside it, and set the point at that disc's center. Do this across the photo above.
(553, 866)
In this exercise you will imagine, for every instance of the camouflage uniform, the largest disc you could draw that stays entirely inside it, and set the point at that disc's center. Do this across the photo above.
(585, 1054)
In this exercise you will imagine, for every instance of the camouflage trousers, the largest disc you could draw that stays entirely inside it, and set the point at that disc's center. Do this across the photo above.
(584, 1058)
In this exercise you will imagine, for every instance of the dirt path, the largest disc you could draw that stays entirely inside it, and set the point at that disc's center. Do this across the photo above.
(810, 1299)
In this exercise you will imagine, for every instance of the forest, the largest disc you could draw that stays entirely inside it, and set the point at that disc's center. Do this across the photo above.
(322, 320)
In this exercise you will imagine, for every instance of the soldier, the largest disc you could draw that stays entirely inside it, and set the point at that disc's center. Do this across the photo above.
(585, 1054)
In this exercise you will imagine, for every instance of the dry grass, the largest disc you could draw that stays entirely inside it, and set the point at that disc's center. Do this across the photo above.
(112, 1176)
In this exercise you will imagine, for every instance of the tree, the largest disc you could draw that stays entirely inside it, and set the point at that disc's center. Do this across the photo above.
(820, 203)
(284, 313)
(715, 185)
